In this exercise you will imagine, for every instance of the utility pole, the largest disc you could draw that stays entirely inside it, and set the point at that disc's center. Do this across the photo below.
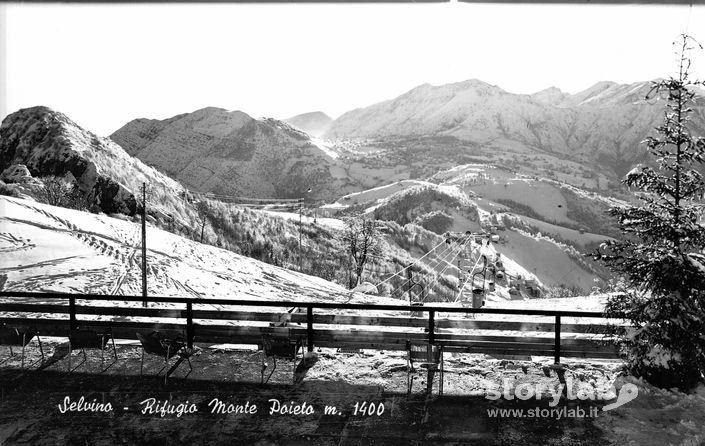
(144, 244)
(301, 203)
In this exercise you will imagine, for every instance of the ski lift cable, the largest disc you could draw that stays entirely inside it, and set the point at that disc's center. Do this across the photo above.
(430, 284)
(472, 271)
(453, 255)
(447, 252)
(441, 254)
(440, 273)
(460, 292)
(244, 200)
(454, 251)
(235, 197)
(411, 264)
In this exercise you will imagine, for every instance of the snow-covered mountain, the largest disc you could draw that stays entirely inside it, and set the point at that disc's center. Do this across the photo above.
(49, 143)
(214, 150)
(603, 124)
(314, 123)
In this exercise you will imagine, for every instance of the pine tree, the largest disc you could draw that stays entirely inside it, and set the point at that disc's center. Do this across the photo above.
(661, 253)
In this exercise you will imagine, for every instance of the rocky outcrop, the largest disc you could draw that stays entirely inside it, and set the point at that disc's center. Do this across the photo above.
(18, 173)
(48, 143)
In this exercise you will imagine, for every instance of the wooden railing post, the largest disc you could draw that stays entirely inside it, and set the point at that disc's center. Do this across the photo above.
(557, 341)
(309, 327)
(73, 324)
(431, 326)
(189, 325)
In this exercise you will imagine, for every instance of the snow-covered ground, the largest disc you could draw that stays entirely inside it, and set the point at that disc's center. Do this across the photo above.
(48, 248)
(44, 248)
(331, 223)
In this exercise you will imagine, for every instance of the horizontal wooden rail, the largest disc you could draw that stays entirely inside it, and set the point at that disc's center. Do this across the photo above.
(337, 319)
(199, 321)
(289, 304)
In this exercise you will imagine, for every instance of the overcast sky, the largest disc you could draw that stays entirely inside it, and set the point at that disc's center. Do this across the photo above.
(104, 65)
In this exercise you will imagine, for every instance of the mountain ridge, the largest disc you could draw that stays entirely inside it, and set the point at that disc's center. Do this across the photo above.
(213, 150)
(603, 124)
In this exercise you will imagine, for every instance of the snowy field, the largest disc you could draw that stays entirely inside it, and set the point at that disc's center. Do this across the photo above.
(47, 248)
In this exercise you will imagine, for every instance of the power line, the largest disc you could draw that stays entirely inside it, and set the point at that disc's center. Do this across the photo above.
(235, 197)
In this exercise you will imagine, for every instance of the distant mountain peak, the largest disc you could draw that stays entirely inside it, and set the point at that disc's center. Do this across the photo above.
(603, 85)
(314, 123)
(474, 82)
(550, 95)
(229, 152)
(601, 123)
(549, 90)
(206, 110)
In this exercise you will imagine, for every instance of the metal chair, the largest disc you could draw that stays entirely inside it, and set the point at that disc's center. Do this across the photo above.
(90, 339)
(165, 346)
(21, 337)
(429, 356)
(283, 348)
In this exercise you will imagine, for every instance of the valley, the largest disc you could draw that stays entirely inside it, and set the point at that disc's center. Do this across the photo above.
(536, 174)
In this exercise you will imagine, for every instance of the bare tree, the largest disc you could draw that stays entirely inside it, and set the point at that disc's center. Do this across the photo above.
(362, 241)
(202, 209)
(60, 192)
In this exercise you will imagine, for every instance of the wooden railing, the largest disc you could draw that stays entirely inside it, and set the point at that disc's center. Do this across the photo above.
(361, 326)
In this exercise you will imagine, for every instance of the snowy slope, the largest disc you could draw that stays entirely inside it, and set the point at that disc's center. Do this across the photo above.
(46, 248)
